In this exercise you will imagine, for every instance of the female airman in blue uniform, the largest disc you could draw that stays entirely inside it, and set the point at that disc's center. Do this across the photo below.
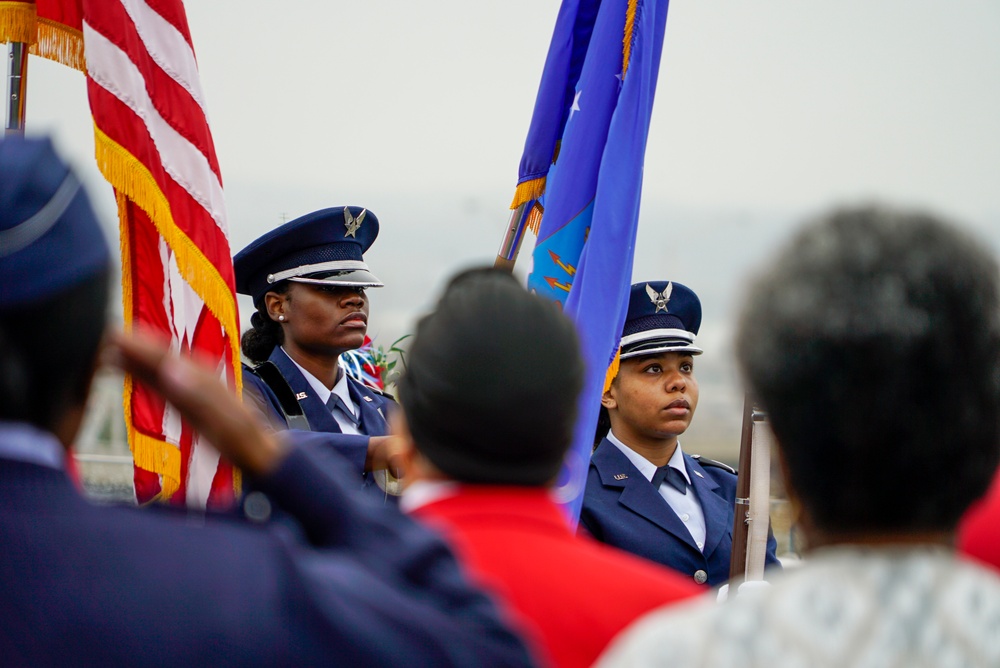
(308, 280)
(644, 493)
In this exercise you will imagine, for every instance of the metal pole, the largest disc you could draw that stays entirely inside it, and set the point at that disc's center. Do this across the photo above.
(522, 218)
(738, 557)
(17, 85)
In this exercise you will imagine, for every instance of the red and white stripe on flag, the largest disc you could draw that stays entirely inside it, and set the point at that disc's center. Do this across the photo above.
(153, 144)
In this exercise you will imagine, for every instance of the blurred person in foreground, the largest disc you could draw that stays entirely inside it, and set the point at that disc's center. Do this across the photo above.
(310, 576)
(873, 343)
(488, 407)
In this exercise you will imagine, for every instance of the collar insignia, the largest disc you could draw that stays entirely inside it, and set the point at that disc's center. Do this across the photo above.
(660, 299)
(698, 473)
(621, 476)
(367, 398)
(301, 395)
(351, 223)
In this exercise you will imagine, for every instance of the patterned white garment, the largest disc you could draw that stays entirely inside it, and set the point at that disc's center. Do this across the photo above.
(846, 608)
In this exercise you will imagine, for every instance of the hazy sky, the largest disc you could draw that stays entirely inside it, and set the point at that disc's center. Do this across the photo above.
(765, 111)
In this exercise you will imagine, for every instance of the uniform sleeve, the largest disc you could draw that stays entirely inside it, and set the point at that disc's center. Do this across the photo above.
(351, 447)
(392, 583)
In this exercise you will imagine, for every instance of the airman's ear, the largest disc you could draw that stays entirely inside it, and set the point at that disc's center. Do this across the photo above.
(276, 306)
(608, 399)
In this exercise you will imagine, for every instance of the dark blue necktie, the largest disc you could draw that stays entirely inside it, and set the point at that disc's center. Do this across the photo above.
(672, 477)
(336, 402)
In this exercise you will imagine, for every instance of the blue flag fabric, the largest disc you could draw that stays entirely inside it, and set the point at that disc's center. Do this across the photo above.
(594, 104)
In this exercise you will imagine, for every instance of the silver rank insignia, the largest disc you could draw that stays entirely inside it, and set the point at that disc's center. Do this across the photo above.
(301, 395)
(621, 476)
(351, 223)
(660, 299)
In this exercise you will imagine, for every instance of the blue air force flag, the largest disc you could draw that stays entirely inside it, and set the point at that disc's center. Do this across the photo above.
(582, 166)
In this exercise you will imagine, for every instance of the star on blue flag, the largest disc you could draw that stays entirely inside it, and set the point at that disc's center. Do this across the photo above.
(587, 178)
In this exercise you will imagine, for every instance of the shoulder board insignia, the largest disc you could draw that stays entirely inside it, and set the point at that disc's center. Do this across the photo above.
(705, 461)
(378, 391)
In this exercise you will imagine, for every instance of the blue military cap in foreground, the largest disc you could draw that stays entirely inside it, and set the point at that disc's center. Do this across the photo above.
(662, 317)
(323, 247)
(50, 239)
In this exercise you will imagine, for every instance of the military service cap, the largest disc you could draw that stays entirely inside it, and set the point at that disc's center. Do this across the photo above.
(324, 247)
(50, 239)
(662, 317)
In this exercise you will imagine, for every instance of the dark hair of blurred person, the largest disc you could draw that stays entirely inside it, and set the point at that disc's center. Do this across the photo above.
(491, 383)
(875, 346)
(489, 401)
(43, 372)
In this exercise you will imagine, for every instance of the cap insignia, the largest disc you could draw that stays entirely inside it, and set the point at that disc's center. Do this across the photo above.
(353, 224)
(660, 299)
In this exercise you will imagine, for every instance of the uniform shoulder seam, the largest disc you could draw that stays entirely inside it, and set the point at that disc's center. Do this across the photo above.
(705, 461)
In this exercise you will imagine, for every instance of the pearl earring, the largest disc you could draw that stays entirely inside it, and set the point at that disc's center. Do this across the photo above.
(281, 317)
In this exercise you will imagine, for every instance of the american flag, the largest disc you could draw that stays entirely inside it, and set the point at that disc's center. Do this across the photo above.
(154, 146)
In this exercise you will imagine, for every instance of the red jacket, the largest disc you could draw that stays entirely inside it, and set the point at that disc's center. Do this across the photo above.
(570, 595)
(979, 530)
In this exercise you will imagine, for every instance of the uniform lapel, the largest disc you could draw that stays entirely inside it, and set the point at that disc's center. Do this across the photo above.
(718, 519)
(637, 494)
(319, 416)
(373, 420)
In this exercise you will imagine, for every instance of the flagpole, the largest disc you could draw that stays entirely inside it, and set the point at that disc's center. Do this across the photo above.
(741, 518)
(17, 85)
(751, 519)
(522, 218)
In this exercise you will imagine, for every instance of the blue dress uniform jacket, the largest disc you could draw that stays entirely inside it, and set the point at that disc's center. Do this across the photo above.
(374, 409)
(341, 581)
(621, 508)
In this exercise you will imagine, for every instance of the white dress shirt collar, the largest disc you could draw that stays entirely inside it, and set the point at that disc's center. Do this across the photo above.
(24, 443)
(646, 467)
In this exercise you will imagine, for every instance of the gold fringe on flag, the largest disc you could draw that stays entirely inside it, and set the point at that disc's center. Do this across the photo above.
(528, 190)
(60, 43)
(150, 454)
(18, 22)
(127, 174)
(535, 218)
(627, 40)
(132, 180)
(613, 370)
